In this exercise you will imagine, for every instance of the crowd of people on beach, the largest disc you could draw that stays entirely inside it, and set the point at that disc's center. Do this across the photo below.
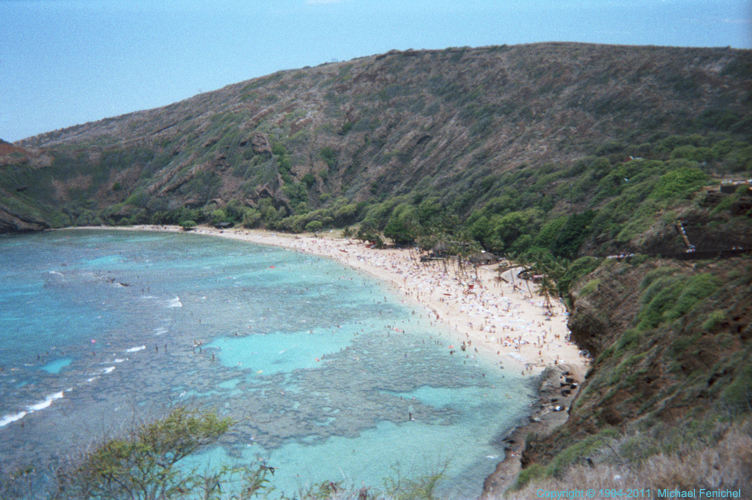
(492, 312)
(497, 314)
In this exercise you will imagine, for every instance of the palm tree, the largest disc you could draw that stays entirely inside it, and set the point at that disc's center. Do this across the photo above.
(552, 271)
(512, 258)
(526, 265)
(501, 269)
(518, 260)
(546, 288)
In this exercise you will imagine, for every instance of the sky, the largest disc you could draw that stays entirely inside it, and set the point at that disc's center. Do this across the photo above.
(67, 62)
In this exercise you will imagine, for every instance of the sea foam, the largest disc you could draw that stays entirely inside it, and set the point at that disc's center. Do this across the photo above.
(47, 402)
(175, 303)
(7, 419)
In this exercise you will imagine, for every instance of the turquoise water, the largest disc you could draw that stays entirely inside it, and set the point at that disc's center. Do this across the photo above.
(57, 365)
(329, 376)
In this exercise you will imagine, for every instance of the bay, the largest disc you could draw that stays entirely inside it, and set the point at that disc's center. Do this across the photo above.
(329, 376)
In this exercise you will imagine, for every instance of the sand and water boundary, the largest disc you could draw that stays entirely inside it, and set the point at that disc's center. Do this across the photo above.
(502, 321)
(499, 321)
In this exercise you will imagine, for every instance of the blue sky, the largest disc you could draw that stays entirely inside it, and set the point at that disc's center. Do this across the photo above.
(66, 62)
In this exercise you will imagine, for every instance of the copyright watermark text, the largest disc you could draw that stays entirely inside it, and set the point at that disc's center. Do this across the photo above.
(637, 493)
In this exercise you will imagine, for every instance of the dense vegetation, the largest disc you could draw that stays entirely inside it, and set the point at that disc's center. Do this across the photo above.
(604, 202)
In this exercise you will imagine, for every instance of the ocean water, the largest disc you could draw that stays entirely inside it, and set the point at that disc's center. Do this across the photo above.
(329, 376)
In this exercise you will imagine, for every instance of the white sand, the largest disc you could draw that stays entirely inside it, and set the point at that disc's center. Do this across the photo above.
(494, 319)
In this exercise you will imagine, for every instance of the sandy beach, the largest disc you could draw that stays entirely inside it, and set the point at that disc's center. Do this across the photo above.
(505, 322)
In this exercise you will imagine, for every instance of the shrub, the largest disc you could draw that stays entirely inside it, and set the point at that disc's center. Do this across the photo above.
(346, 214)
(696, 289)
(679, 183)
(657, 300)
(668, 298)
(143, 464)
(630, 339)
(654, 275)
(738, 394)
(575, 452)
(721, 457)
(547, 235)
(714, 319)
(251, 218)
(366, 232)
(531, 473)
(589, 287)
(218, 217)
(508, 228)
(680, 345)
(573, 234)
(309, 180)
(296, 193)
(576, 270)
(329, 155)
(314, 226)
(138, 199)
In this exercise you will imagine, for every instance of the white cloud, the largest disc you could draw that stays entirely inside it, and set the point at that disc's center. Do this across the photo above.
(736, 21)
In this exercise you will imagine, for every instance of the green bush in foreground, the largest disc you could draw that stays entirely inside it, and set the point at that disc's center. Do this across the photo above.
(144, 464)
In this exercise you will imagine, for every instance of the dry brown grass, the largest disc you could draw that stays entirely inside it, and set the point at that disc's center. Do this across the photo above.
(63, 188)
(725, 465)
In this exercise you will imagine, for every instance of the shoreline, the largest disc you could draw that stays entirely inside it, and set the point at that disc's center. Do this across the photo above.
(496, 321)
(489, 319)
(558, 387)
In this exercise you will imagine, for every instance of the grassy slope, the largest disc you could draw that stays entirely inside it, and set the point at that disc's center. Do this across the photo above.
(668, 397)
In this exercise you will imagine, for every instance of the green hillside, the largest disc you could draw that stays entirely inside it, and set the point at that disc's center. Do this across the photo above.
(514, 141)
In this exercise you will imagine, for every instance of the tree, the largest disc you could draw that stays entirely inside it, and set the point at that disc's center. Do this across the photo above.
(251, 217)
(314, 226)
(573, 234)
(552, 271)
(367, 232)
(523, 261)
(509, 227)
(188, 225)
(309, 180)
(143, 464)
(219, 217)
(547, 287)
(403, 225)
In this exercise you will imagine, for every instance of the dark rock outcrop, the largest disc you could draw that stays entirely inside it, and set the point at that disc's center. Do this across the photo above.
(12, 222)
